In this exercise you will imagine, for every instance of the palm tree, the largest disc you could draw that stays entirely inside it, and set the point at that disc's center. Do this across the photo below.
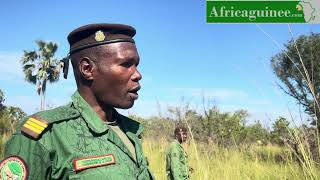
(41, 66)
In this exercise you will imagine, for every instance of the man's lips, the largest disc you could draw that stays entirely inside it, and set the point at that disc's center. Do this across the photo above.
(135, 89)
(134, 92)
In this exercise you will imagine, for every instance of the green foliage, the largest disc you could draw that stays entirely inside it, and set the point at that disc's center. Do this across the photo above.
(255, 133)
(305, 144)
(1, 97)
(224, 128)
(41, 66)
(221, 128)
(1, 100)
(9, 119)
(270, 154)
(281, 131)
(212, 162)
(292, 71)
(156, 127)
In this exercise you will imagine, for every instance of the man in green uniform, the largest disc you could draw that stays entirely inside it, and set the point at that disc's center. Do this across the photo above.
(176, 157)
(87, 138)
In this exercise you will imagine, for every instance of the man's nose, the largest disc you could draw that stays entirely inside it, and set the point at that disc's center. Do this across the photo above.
(136, 75)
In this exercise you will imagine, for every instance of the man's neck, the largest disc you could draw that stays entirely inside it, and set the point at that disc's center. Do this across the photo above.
(105, 113)
(178, 141)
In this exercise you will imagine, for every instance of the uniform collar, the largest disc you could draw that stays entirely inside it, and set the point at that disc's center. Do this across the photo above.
(90, 116)
(178, 143)
(128, 125)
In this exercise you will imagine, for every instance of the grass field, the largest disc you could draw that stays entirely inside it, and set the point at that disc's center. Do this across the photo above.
(254, 162)
(211, 162)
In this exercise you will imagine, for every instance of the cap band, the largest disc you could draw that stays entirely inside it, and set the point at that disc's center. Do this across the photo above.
(100, 43)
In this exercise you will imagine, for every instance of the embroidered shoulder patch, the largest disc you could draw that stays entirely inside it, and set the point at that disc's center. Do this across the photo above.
(92, 162)
(34, 126)
(13, 167)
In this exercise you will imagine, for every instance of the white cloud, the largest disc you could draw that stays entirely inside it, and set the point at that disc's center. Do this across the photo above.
(29, 104)
(219, 94)
(267, 118)
(260, 102)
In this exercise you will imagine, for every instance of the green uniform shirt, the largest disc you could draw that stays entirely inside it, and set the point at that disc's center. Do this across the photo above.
(176, 162)
(115, 127)
(77, 144)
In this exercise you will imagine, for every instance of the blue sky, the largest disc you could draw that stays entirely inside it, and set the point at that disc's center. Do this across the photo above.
(181, 55)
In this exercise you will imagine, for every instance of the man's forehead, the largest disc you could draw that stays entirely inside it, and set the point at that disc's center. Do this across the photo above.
(182, 131)
(121, 46)
(122, 49)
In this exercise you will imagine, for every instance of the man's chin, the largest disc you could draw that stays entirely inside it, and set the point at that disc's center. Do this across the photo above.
(125, 106)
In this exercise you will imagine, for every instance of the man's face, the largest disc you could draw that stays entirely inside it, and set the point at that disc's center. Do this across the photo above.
(182, 136)
(116, 78)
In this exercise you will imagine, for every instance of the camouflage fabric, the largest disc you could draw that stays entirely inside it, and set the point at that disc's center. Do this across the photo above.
(176, 162)
(76, 135)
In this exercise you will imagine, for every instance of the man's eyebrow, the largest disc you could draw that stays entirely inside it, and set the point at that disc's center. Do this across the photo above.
(128, 58)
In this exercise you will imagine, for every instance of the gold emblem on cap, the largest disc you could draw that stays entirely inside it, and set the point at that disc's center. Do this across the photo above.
(99, 36)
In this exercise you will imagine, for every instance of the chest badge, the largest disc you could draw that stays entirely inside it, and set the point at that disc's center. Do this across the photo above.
(93, 162)
(13, 167)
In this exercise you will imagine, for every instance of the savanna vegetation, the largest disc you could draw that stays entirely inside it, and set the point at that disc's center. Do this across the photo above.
(221, 145)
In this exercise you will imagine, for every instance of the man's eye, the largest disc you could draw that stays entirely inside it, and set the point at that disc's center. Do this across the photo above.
(126, 64)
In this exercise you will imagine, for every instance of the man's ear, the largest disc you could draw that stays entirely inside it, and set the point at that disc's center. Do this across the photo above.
(86, 68)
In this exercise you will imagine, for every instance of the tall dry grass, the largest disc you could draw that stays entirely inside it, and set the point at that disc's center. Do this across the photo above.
(254, 162)
(303, 149)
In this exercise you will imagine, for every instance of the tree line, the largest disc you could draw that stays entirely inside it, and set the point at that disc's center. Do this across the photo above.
(221, 128)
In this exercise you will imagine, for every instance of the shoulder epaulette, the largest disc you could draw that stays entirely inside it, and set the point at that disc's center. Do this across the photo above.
(34, 126)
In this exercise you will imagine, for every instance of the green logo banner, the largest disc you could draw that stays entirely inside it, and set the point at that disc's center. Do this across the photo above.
(261, 12)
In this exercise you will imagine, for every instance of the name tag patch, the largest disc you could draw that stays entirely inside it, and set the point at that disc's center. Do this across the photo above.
(92, 162)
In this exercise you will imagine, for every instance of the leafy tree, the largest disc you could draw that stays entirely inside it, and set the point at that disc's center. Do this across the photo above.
(156, 127)
(1, 100)
(301, 80)
(41, 66)
(195, 122)
(281, 131)
(15, 113)
(227, 127)
(255, 133)
(9, 116)
(223, 128)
